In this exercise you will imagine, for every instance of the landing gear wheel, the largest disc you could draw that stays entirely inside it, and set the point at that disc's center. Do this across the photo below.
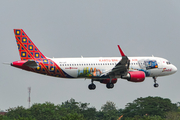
(92, 86)
(109, 85)
(156, 85)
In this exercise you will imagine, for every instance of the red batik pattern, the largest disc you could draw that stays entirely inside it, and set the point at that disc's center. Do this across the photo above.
(28, 51)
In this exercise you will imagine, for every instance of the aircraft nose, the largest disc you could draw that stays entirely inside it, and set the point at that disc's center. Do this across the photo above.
(174, 69)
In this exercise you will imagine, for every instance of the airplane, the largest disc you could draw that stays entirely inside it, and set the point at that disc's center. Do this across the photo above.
(105, 70)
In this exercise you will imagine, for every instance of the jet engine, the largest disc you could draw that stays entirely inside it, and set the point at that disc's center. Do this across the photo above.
(135, 76)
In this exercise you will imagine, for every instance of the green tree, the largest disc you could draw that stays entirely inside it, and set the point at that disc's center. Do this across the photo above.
(73, 116)
(108, 111)
(178, 104)
(80, 108)
(18, 112)
(45, 111)
(72, 105)
(173, 115)
(89, 113)
(109, 106)
(137, 117)
(1, 117)
(48, 111)
(150, 106)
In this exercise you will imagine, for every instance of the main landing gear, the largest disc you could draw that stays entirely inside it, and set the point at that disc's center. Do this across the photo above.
(92, 86)
(155, 84)
(109, 85)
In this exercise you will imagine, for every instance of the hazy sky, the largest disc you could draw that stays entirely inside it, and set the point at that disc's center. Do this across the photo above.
(71, 28)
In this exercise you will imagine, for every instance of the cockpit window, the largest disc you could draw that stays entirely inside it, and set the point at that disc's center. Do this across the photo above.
(168, 62)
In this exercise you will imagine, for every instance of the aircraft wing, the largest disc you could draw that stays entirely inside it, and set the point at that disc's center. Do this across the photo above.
(121, 68)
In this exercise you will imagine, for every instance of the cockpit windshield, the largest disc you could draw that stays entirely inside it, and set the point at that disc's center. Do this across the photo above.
(168, 62)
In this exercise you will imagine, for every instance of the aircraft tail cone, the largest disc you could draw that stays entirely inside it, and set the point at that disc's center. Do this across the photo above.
(6, 63)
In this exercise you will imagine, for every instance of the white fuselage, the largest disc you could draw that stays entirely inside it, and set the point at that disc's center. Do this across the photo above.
(152, 66)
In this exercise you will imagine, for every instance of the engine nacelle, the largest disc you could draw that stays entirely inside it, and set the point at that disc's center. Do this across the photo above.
(135, 76)
(105, 81)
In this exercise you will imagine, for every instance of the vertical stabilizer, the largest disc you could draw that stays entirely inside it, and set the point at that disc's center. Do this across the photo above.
(27, 49)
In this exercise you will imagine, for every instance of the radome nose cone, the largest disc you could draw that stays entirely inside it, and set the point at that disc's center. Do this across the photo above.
(174, 69)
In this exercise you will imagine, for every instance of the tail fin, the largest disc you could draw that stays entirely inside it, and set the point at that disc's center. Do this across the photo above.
(27, 49)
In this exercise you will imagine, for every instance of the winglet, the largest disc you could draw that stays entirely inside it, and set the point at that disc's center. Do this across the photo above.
(122, 53)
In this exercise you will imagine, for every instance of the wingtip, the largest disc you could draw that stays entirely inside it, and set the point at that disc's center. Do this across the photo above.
(122, 53)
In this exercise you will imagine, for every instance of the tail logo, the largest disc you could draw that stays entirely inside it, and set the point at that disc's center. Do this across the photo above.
(26, 47)
(28, 51)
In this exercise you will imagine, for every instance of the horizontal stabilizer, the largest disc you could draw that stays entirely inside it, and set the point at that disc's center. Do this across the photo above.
(31, 64)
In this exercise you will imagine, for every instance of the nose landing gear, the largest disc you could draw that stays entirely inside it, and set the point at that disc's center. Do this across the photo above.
(155, 84)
